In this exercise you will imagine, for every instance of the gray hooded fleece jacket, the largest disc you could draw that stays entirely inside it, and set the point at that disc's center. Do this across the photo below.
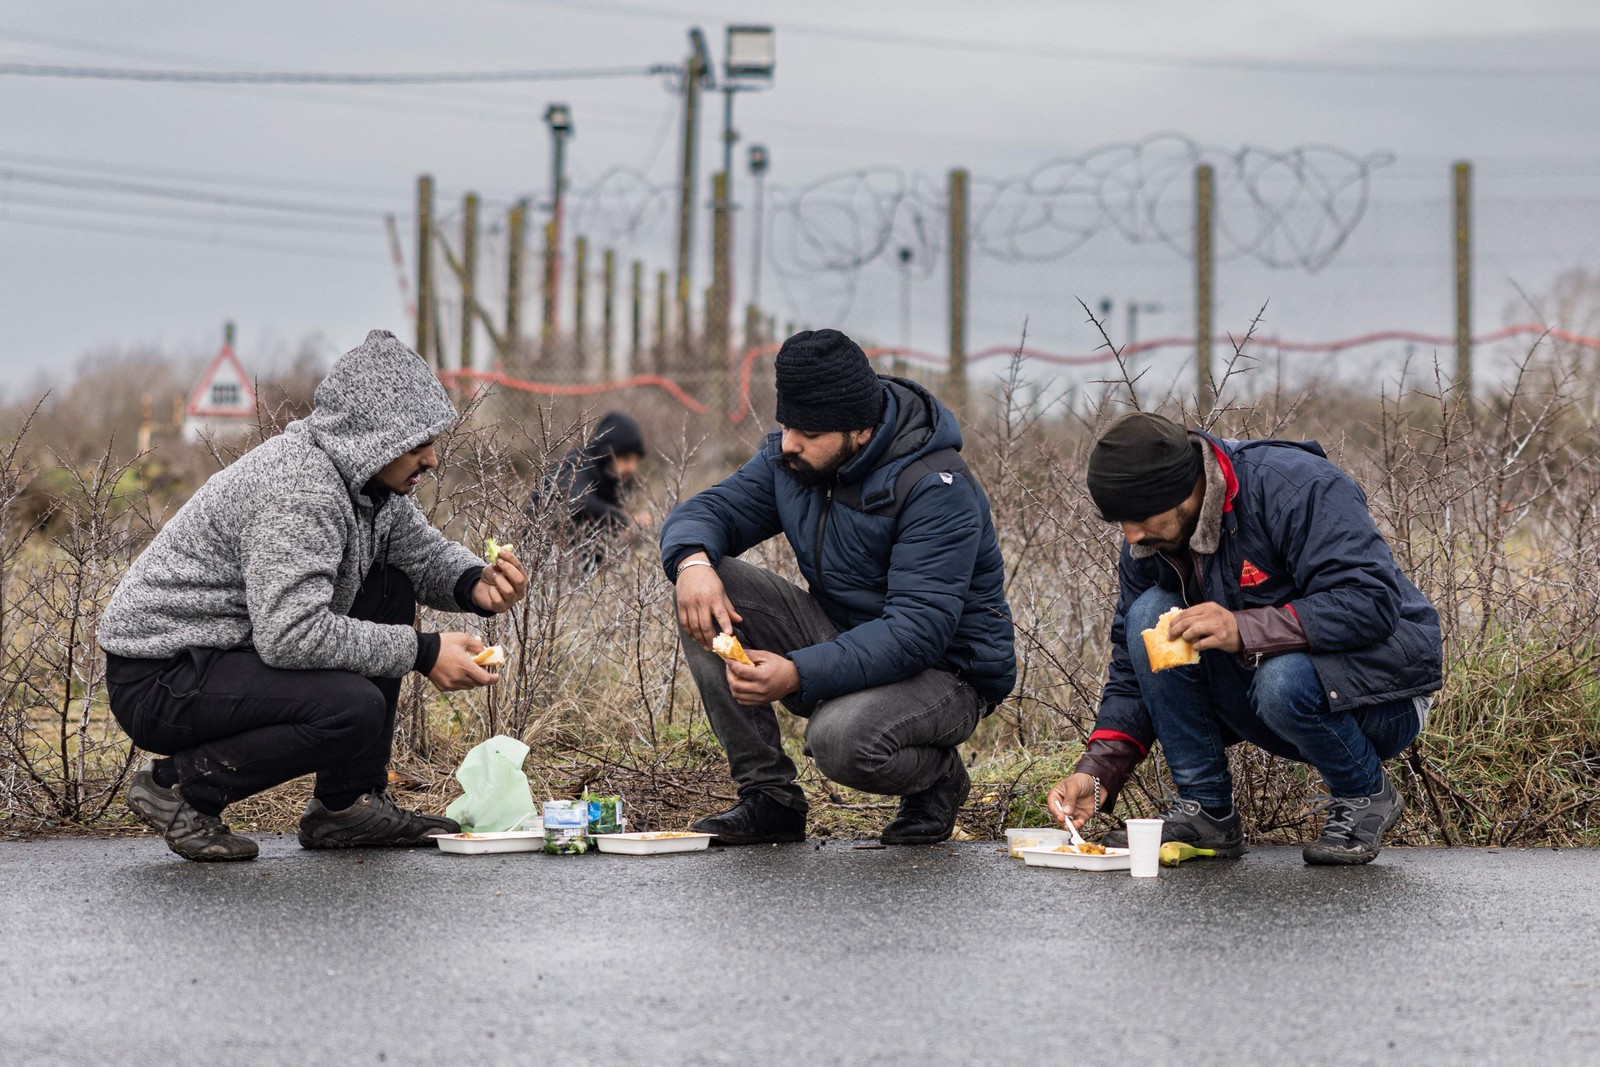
(271, 551)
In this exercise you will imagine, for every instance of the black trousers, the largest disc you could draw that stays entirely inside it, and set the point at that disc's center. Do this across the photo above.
(235, 727)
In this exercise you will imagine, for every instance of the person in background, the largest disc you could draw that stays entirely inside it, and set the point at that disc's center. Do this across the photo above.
(1312, 644)
(264, 633)
(595, 479)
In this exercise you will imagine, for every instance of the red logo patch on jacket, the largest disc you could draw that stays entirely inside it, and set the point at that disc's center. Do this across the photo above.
(1250, 574)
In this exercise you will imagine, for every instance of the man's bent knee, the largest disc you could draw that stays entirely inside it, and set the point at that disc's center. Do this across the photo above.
(1284, 687)
(849, 756)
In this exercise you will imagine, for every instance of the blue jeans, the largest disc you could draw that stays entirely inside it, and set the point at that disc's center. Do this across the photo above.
(1279, 706)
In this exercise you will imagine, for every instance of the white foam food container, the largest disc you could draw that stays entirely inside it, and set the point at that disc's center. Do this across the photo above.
(652, 844)
(1021, 837)
(484, 844)
(1115, 859)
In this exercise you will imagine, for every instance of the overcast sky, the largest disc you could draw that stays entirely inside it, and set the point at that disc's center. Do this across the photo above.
(111, 233)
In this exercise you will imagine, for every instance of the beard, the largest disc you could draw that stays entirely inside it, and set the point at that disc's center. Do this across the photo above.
(818, 477)
(1188, 522)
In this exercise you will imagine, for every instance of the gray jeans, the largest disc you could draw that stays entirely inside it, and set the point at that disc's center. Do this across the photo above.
(893, 739)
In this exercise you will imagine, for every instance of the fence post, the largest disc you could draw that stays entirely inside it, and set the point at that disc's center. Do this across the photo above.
(469, 277)
(957, 384)
(1204, 227)
(717, 307)
(607, 317)
(547, 326)
(580, 322)
(425, 347)
(660, 359)
(516, 234)
(636, 320)
(1463, 250)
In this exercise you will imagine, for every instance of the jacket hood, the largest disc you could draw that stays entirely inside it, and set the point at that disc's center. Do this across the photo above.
(378, 402)
(914, 423)
(615, 434)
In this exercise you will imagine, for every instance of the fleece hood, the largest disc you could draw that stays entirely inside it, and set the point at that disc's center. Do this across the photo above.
(378, 402)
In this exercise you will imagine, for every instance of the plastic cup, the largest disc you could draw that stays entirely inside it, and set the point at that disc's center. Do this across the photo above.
(1144, 847)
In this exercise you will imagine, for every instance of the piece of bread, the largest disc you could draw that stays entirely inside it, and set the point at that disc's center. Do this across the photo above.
(728, 647)
(493, 656)
(1165, 651)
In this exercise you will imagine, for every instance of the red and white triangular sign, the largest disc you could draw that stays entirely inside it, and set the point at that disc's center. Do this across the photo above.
(224, 390)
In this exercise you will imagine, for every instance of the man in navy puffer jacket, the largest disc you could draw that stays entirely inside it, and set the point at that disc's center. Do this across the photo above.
(1313, 645)
(904, 639)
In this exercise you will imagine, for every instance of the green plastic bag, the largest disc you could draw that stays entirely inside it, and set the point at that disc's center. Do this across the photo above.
(497, 795)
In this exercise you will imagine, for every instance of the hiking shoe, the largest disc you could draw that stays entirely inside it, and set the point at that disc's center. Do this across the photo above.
(373, 821)
(1355, 826)
(188, 832)
(928, 817)
(756, 820)
(1188, 822)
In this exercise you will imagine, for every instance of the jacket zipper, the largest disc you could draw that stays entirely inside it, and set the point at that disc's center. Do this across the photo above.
(822, 526)
(1183, 586)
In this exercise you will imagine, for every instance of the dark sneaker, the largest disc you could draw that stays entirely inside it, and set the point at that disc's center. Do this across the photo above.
(1355, 826)
(928, 817)
(756, 820)
(1188, 822)
(190, 833)
(373, 821)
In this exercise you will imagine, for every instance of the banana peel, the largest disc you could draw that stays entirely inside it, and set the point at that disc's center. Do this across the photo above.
(1175, 852)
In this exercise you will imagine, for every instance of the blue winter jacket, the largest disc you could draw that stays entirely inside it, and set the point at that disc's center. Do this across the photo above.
(1303, 526)
(909, 591)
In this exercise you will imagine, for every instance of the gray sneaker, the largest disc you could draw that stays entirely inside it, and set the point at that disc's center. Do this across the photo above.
(373, 821)
(190, 833)
(1355, 826)
(1188, 822)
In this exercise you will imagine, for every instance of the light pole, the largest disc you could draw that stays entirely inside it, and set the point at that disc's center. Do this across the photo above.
(760, 160)
(750, 55)
(905, 298)
(1134, 308)
(559, 118)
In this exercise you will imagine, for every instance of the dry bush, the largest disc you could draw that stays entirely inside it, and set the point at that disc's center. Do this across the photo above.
(1491, 511)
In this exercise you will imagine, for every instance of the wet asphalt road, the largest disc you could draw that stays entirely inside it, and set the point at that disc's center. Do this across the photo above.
(116, 952)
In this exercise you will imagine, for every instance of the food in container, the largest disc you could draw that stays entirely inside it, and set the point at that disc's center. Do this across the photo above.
(490, 843)
(653, 844)
(566, 827)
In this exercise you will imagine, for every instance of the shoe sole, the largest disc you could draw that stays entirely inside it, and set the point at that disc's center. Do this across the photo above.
(764, 839)
(320, 846)
(211, 859)
(1354, 859)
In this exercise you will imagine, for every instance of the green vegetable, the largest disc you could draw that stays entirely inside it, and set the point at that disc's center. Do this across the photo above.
(492, 550)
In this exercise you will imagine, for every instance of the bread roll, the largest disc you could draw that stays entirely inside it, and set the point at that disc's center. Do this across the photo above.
(1165, 651)
(493, 656)
(728, 647)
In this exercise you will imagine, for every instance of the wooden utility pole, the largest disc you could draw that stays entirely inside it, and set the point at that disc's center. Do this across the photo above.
(1204, 227)
(580, 321)
(547, 326)
(660, 359)
(636, 336)
(957, 384)
(517, 235)
(425, 329)
(691, 118)
(1463, 250)
(608, 357)
(717, 306)
(469, 276)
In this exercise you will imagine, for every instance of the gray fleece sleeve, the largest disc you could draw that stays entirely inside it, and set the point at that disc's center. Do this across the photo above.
(432, 561)
(290, 554)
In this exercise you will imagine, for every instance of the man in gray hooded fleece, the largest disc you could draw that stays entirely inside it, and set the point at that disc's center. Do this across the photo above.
(265, 632)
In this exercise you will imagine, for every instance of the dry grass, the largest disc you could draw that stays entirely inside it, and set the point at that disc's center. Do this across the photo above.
(1491, 510)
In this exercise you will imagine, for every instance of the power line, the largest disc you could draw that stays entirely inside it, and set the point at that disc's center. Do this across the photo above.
(282, 77)
(202, 176)
(322, 226)
(167, 192)
(1113, 57)
(168, 234)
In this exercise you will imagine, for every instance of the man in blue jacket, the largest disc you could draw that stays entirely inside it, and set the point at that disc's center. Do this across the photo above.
(1312, 644)
(903, 640)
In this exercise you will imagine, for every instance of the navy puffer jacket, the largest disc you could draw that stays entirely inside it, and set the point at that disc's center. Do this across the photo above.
(1303, 525)
(909, 591)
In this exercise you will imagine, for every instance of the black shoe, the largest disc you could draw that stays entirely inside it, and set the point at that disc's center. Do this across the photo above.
(1355, 827)
(189, 833)
(373, 821)
(756, 820)
(928, 817)
(1187, 821)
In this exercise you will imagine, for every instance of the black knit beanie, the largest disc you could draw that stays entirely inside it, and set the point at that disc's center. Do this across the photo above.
(1143, 464)
(826, 383)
